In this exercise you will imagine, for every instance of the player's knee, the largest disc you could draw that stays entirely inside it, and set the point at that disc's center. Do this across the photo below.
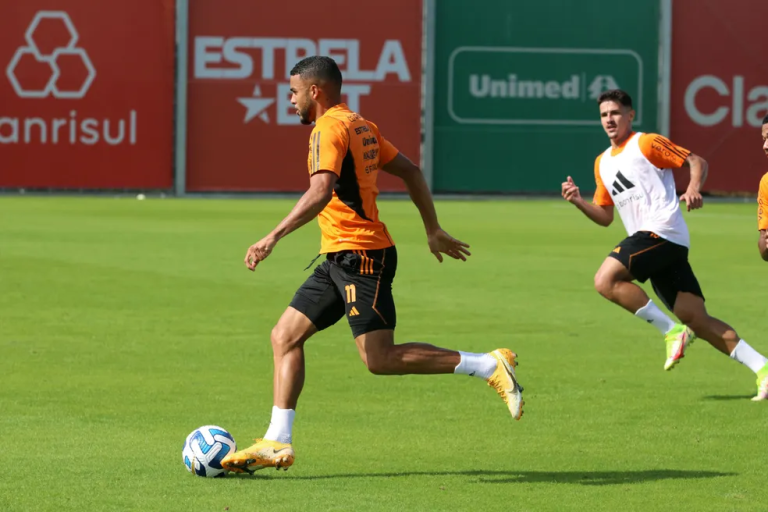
(376, 367)
(604, 285)
(380, 363)
(282, 339)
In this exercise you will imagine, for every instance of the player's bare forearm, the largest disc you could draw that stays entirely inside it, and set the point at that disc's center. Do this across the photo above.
(309, 206)
(601, 215)
(417, 187)
(699, 170)
(422, 198)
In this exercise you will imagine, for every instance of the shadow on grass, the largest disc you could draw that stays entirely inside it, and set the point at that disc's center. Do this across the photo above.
(521, 477)
(727, 397)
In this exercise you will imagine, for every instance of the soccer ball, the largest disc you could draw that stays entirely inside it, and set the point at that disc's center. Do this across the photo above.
(204, 449)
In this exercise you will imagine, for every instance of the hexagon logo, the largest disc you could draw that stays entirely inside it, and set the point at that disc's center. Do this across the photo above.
(50, 37)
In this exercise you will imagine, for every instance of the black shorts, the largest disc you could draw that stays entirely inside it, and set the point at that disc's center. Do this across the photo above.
(648, 256)
(357, 284)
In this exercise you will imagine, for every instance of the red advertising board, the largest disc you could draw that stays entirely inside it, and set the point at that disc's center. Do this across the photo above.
(243, 134)
(719, 89)
(86, 97)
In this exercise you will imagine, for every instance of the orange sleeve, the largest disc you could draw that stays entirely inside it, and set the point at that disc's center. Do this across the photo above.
(662, 152)
(602, 196)
(387, 151)
(328, 145)
(762, 204)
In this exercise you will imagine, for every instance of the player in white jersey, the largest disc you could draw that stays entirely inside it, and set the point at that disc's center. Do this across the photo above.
(635, 176)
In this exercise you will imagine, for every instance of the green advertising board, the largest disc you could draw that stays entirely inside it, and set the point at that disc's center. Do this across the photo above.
(516, 84)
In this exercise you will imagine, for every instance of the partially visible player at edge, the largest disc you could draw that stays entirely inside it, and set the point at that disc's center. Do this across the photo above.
(355, 279)
(762, 201)
(762, 209)
(635, 175)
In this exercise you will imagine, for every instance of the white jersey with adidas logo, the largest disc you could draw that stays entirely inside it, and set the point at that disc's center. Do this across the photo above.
(637, 178)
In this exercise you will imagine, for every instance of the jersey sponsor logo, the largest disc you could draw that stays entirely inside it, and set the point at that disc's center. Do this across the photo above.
(666, 148)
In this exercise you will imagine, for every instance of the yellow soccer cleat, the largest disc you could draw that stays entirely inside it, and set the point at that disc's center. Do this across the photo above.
(505, 383)
(263, 454)
(677, 340)
(762, 385)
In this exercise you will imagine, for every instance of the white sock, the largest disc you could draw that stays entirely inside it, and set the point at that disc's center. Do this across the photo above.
(653, 315)
(281, 426)
(748, 356)
(477, 365)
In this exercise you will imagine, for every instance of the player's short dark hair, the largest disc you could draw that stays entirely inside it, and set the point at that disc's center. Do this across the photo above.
(616, 95)
(765, 119)
(323, 69)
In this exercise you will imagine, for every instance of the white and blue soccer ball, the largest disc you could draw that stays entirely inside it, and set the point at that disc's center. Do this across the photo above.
(205, 448)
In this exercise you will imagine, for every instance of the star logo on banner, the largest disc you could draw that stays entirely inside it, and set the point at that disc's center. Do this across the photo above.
(256, 106)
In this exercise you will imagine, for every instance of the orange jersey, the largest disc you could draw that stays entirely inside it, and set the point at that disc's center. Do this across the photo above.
(659, 150)
(344, 143)
(762, 204)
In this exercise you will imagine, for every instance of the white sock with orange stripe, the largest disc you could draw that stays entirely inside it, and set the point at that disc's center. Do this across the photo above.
(476, 365)
(656, 317)
(281, 426)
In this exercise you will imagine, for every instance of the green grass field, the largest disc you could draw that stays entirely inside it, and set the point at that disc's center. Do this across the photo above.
(126, 324)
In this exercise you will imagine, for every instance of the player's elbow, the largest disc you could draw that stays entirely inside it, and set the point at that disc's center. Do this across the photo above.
(410, 174)
(607, 218)
(605, 222)
(403, 168)
(695, 160)
(764, 253)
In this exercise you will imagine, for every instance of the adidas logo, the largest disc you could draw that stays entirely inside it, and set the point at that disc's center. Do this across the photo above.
(617, 250)
(621, 184)
(353, 311)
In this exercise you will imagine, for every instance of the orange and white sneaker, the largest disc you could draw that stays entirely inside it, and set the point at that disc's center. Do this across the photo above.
(263, 454)
(505, 382)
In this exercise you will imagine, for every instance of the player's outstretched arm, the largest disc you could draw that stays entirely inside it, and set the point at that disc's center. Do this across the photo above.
(309, 206)
(439, 241)
(601, 215)
(699, 169)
